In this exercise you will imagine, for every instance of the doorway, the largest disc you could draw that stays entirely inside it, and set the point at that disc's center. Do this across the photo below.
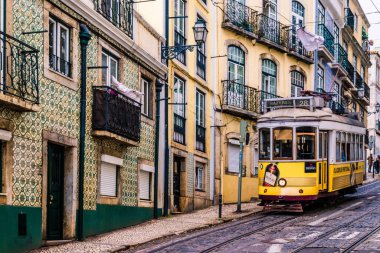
(55, 196)
(177, 168)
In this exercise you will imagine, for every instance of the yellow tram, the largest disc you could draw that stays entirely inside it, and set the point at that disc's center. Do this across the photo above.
(307, 152)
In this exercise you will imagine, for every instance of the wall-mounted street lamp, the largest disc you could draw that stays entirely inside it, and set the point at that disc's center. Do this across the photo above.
(200, 35)
(361, 93)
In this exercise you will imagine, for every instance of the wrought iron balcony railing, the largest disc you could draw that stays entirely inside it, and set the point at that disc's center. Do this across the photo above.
(338, 108)
(119, 13)
(179, 129)
(296, 46)
(329, 38)
(350, 70)
(240, 96)
(180, 40)
(240, 15)
(341, 56)
(272, 30)
(263, 95)
(349, 18)
(19, 69)
(201, 64)
(200, 138)
(116, 113)
(60, 65)
(358, 80)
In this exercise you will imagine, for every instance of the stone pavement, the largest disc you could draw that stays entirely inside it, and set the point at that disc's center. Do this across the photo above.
(154, 229)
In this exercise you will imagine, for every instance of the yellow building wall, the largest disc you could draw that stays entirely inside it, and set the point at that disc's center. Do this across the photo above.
(249, 189)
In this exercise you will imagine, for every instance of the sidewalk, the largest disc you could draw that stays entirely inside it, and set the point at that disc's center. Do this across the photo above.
(154, 229)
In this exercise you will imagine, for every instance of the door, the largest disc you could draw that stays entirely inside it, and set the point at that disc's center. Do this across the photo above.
(236, 76)
(177, 182)
(55, 192)
(298, 12)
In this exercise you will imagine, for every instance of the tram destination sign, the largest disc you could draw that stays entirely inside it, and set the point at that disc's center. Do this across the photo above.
(289, 103)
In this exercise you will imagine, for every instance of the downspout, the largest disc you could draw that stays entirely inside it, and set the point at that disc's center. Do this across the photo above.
(157, 148)
(316, 51)
(166, 166)
(84, 36)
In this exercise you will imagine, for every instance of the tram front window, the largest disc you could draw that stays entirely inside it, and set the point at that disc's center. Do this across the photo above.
(265, 144)
(283, 142)
(306, 143)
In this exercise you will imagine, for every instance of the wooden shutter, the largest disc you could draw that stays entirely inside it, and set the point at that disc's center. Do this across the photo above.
(144, 185)
(233, 158)
(108, 179)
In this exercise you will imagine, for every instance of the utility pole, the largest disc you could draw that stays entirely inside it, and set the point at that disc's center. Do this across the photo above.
(243, 131)
(85, 37)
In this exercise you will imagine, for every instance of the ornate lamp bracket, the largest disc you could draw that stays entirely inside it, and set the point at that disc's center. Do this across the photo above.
(173, 51)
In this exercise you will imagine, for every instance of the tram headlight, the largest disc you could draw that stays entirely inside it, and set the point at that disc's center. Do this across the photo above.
(282, 182)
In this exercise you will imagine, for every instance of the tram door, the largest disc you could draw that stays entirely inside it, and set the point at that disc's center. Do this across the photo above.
(323, 155)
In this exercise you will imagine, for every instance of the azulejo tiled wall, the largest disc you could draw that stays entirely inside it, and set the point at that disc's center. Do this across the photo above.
(60, 114)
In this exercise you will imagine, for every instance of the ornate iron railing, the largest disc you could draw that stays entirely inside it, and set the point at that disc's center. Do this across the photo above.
(262, 95)
(350, 70)
(60, 65)
(358, 80)
(337, 108)
(19, 69)
(179, 129)
(200, 138)
(201, 64)
(329, 38)
(116, 113)
(180, 40)
(295, 45)
(272, 30)
(366, 90)
(240, 15)
(240, 96)
(341, 56)
(118, 12)
(349, 18)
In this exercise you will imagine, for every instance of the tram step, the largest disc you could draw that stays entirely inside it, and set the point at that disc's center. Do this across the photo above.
(292, 208)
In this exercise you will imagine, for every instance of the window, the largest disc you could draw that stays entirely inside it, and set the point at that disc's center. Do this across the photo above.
(265, 149)
(320, 78)
(323, 145)
(338, 158)
(356, 22)
(233, 156)
(345, 46)
(201, 56)
(236, 64)
(108, 179)
(298, 83)
(355, 61)
(361, 114)
(145, 179)
(147, 99)
(179, 27)
(200, 121)
(354, 107)
(59, 47)
(113, 68)
(343, 143)
(321, 13)
(199, 177)
(179, 110)
(306, 143)
(270, 8)
(283, 143)
(269, 76)
(362, 72)
(336, 40)
(298, 17)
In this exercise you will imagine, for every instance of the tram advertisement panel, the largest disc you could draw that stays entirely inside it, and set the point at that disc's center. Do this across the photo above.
(271, 176)
(346, 174)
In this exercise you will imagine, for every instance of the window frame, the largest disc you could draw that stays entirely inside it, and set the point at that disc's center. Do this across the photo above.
(117, 194)
(261, 145)
(201, 167)
(294, 81)
(321, 13)
(108, 70)
(291, 144)
(149, 185)
(147, 99)
(238, 53)
(176, 99)
(321, 77)
(315, 146)
(200, 119)
(269, 75)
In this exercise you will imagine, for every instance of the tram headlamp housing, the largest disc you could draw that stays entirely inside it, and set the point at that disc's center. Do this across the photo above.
(282, 182)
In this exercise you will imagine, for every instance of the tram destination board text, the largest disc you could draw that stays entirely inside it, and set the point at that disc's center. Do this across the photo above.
(289, 103)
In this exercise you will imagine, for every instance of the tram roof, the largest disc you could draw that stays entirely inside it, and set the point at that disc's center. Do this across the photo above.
(301, 114)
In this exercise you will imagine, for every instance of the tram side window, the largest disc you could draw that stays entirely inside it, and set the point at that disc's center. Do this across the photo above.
(306, 143)
(323, 145)
(357, 147)
(348, 145)
(283, 143)
(338, 158)
(265, 144)
(361, 139)
(343, 146)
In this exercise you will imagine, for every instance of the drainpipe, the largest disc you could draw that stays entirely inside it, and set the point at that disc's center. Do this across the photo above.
(316, 51)
(84, 36)
(166, 166)
(157, 148)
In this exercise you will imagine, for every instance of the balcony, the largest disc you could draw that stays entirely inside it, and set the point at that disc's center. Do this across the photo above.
(119, 13)
(366, 96)
(349, 19)
(341, 60)
(350, 78)
(358, 81)
(296, 48)
(19, 74)
(201, 65)
(338, 108)
(273, 33)
(179, 129)
(115, 116)
(200, 138)
(240, 100)
(180, 40)
(327, 49)
(240, 18)
(262, 96)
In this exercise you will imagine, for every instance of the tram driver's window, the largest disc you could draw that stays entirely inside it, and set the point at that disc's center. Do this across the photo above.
(282, 143)
(265, 144)
(306, 143)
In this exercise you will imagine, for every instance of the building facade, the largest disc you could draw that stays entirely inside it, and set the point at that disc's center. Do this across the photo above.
(373, 124)
(189, 110)
(42, 74)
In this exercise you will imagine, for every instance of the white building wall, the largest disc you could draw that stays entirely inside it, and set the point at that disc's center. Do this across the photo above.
(374, 84)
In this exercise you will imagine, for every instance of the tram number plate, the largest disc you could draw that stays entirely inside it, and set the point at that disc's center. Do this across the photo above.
(310, 167)
(289, 103)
